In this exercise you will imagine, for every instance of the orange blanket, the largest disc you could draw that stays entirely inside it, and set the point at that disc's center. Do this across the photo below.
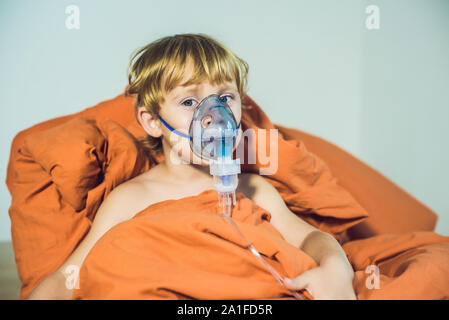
(181, 249)
(60, 176)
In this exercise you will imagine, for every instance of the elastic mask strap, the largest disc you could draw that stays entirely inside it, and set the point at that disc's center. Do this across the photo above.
(169, 127)
(173, 130)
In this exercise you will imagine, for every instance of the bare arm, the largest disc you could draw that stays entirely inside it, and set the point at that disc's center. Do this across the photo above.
(318, 244)
(333, 277)
(118, 206)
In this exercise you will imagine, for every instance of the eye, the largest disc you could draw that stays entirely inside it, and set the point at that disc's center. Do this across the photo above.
(223, 98)
(189, 103)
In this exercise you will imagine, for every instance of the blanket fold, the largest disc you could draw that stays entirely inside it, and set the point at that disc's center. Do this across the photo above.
(410, 266)
(181, 249)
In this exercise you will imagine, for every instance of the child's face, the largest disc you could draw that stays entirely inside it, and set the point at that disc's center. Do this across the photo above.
(178, 109)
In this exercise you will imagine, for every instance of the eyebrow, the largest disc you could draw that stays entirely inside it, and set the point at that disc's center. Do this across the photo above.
(194, 90)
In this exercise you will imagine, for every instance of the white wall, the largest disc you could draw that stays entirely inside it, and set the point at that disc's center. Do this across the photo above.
(313, 66)
(405, 100)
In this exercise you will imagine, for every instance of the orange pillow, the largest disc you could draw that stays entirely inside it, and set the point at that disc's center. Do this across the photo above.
(60, 176)
(305, 182)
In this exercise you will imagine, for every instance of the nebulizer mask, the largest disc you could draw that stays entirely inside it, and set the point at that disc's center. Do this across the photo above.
(213, 134)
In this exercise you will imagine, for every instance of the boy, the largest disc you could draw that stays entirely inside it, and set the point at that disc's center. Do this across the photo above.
(169, 78)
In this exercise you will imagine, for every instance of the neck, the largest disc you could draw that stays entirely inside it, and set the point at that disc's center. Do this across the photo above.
(182, 172)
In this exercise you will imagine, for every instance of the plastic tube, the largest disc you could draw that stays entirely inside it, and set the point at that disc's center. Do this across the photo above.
(227, 215)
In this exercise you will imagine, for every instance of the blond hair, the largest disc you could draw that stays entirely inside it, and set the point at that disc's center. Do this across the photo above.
(159, 67)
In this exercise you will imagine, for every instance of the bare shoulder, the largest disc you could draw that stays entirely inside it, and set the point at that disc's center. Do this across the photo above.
(261, 192)
(266, 196)
(126, 200)
(129, 189)
(142, 185)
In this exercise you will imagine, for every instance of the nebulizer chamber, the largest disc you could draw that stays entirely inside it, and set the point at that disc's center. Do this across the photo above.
(214, 133)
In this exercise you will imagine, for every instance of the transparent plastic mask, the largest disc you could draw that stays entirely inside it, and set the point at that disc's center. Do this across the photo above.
(213, 129)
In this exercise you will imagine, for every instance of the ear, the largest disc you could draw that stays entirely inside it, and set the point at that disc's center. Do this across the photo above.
(149, 122)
